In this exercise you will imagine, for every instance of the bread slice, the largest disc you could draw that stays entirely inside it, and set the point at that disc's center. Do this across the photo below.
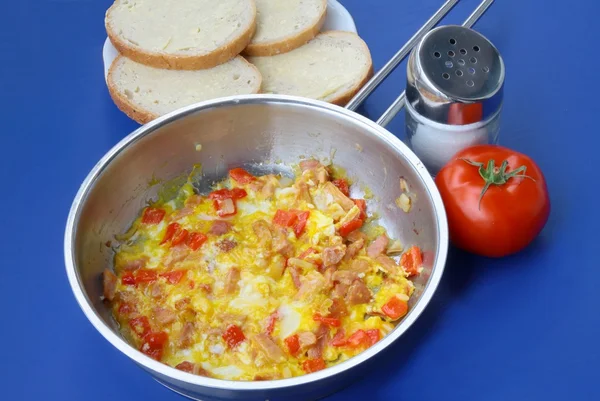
(145, 93)
(331, 67)
(181, 34)
(284, 25)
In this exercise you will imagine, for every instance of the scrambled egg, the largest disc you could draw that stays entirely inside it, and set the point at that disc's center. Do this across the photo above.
(262, 279)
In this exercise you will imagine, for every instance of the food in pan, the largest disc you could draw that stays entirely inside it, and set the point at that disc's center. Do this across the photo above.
(263, 278)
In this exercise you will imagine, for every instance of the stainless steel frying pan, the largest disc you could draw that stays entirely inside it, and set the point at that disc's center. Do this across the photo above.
(262, 133)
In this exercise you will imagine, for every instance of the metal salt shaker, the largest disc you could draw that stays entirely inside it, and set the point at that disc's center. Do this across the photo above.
(455, 79)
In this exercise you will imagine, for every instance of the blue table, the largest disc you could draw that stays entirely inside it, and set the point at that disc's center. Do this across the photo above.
(525, 327)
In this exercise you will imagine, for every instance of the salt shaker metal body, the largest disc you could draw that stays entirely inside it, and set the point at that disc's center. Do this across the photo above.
(454, 91)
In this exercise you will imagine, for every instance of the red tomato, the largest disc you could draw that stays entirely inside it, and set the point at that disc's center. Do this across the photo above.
(222, 194)
(145, 276)
(154, 344)
(284, 218)
(233, 336)
(328, 321)
(153, 215)
(174, 277)
(339, 339)
(171, 230)
(395, 308)
(196, 240)
(293, 344)
(350, 226)
(362, 205)
(411, 260)
(156, 339)
(179, 237)
(241, 176)
(342, 185)
(271, 322)
(496, 200)
(313, 365)
(461, 114)
(359, 339)
(300, 224)
(374, 335)
(140, 326)
(128, 279)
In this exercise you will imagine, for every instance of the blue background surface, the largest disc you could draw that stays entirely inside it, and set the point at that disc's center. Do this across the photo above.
(525, 327)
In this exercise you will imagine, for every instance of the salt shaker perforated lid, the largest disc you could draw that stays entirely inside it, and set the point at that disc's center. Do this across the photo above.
(454, 92)
(454, 64)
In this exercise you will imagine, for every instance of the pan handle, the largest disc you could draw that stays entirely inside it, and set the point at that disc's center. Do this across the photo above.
(374, 82)
(399, 103)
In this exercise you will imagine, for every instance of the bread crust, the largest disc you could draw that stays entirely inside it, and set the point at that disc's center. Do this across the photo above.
(180, 62)
(136, 112)
(289, 43)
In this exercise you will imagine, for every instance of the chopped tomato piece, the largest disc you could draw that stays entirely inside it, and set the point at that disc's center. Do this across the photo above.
(173, 277)
(128, 278)
(196, 240)
(328, 321)
(238, 193)
(145, 276)
(220, 194)
(362, 205)
(395, 308)
(342, 185)
(153, 215)
(339, 339)
(241, 176)
(233, 336)
(271, 322)
(411, 260)
(125, 309)
(285, 218)
(171, 230)
(350, 226)
(191, 284)
(313, 365)
(225, 193)
(374, 335)
(293, 344)
(154, 343)
(359, 339)
(179, 237)
(156, 339)
(140, 326)
(225, 207)
(300, 224)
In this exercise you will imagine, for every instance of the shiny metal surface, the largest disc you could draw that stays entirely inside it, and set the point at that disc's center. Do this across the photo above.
(399, 103)
(454, 65)
(374, 82)
(260, 132)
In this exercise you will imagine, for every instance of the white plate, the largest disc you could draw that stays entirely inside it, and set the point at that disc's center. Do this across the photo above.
(338, 18)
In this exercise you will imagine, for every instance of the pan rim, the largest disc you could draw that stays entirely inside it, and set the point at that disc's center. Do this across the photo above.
(162, 370)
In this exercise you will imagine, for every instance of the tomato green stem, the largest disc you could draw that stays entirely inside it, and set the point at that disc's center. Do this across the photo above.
(493, 175)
